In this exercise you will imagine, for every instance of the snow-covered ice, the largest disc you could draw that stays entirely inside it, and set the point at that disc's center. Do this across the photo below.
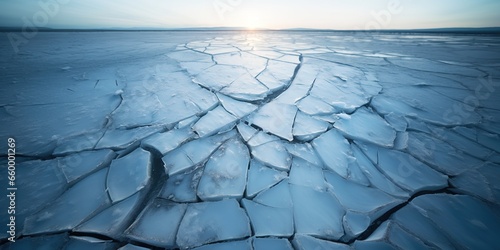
(252, 140)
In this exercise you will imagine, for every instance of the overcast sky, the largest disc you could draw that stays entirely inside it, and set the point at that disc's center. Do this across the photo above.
(274, 14)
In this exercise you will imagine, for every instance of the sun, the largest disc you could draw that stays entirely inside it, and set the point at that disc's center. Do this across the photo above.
(251, 20)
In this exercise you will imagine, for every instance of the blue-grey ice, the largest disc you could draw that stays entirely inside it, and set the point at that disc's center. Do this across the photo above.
(261, 177)
(273, 243)
(334, 151)
(214, 121)
(252, 140)
(269, 221)
(367, 126)
(151, 225)
(276, 118)
(210, 222)
(225, 173)
(128, 175)
(168, 141)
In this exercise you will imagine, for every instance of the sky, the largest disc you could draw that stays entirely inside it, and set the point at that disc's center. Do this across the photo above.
(251, 14)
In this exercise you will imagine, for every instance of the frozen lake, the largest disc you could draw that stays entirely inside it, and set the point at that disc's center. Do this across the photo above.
(252, 140)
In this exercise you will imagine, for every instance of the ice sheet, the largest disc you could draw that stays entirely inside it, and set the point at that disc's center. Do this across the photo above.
(234, 140)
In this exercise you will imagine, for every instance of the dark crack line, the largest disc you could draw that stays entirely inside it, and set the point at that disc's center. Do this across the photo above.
(387, 215)
(265, 68)
(309, 93)
(281, 90)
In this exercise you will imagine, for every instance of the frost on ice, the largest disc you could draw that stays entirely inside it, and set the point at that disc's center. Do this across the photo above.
(254, 141)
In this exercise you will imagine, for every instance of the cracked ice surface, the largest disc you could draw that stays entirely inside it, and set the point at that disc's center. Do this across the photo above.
(234, 140)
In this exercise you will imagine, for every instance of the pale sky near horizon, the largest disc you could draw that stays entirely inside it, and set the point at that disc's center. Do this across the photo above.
(272, 14)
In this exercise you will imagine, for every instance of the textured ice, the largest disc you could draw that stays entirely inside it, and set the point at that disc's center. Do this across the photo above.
(246, 131)
(334, 150)
(463, 144)
(187, 122)
(317, 213)
(413, 221)
(113, 220)
(269, 221)
(484, 138)
(253, 140)
(376, 178)
(273, 154)
(483, 182)
(367, 126)
(277, 74)
(401, 141)
(276, 118)
(121, 138)
(168, 141)
(225, 173)
(339, 94)
(246, 88)
(439, 154)
(214, 121)
(398, 122)
(77, 143)
(409, 173)
(231, 245)
(261, 138)
(304, 151)
(356, 173)
(128, 175)
(463, 218)
(253, 63)
(85, 242)
(72, 207)
(306, 174)
(271, 243)
(261, 177)
(182, 103)
(223, 77)
(355, 223)
(62, 108)
(75, 166)
(46, 242)
(182, 187)
(314, 106)
(236, 108)
(429, 106)
(190, 56)
(276, 196)
(37, 195)
(307, 128)
(212, 222)
(132, 247)
(192, 153)
(390, 235)
(305, 242)
(157, 225)
(369, 201)
(301, 84)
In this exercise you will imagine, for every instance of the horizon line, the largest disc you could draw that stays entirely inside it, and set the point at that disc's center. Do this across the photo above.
(431, 30)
